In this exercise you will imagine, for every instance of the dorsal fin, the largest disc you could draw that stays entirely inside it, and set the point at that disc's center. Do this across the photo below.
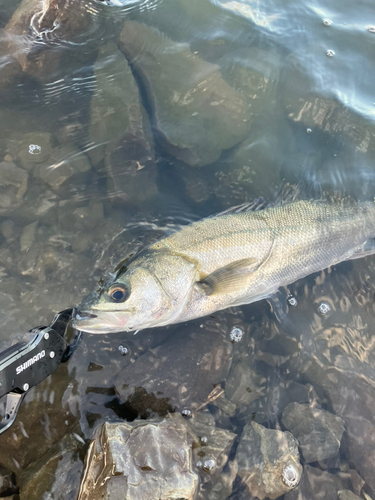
(252, 206)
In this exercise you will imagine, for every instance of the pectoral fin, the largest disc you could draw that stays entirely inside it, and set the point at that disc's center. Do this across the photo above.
(230, 278)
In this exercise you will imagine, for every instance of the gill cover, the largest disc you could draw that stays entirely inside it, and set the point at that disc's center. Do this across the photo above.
(151, 291)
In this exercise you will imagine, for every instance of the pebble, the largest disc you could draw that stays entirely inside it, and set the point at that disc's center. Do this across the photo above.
(8, 158)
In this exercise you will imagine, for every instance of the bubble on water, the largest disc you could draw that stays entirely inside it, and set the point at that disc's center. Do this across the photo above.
(292, 301)
(186, 413)
(34, 149)
(324, 308)
(123, 350)
(199, 465)
(371, 29)
(209, 465)
(308, 130)
(236, 334)
(290, 476)
(327, 22)
(330, 53)
(204, 440)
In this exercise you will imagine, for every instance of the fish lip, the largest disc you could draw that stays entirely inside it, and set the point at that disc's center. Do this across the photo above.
(84, 315)
(99, 322)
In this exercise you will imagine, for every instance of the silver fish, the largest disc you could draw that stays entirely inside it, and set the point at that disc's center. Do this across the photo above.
(228, 260)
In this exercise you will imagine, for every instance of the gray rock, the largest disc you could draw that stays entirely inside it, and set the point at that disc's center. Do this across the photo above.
(138, 461)
(316, 483)
(196, 113)
(35, 148)
(13, 185)
(176, 375)
(209, 442)
(318, 432)
(120, 131)
(268, 461)
(7, 482)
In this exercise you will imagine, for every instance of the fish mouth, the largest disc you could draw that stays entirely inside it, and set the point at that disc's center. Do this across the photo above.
(100, 322)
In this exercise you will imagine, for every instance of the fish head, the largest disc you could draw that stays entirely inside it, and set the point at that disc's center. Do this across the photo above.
(150, 292)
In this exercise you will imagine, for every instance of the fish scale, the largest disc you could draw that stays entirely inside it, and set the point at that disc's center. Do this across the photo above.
(228, 260)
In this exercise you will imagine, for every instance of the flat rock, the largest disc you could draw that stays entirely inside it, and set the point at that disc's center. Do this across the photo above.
(268, 461)
(138, 461)
(177, 375)
(195, 112)
(318, 432)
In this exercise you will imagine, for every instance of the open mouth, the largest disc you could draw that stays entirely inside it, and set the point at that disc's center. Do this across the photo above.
(84, 315)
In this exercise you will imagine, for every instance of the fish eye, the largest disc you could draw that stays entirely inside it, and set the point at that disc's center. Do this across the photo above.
(118, 293)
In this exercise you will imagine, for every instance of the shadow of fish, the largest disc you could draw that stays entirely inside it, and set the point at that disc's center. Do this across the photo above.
(234, 258)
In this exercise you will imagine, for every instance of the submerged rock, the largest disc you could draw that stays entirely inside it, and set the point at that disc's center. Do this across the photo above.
(37, 20)
(139, 460)
(13, 185)
(316, 483)
(347, 495)
(42, 421)
(318, 432)
(119, 130)
(177, 375)
(34, 148)
(268, 461)
(195, 112)
(7, 482)
(64, 162)
(243, 385)
(57, 474)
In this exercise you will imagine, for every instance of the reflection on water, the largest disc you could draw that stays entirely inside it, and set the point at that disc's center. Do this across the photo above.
(120, 122)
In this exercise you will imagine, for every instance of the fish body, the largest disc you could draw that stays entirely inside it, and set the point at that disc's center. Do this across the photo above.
(228, 260)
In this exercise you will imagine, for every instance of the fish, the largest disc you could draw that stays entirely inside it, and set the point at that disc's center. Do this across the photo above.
(234, 258)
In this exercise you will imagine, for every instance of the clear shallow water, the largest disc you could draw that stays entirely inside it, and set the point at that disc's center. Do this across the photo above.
(70, 216)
